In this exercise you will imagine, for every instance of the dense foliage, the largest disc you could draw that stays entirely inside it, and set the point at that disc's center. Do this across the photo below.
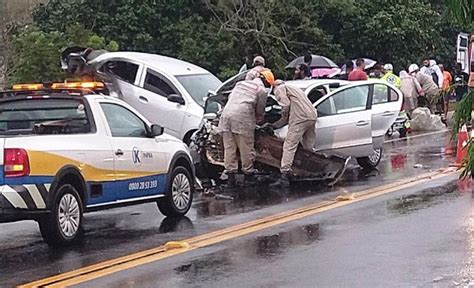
(221, 35)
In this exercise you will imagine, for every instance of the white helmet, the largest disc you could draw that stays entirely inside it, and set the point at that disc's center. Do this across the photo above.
(388, 67)
(413, 68)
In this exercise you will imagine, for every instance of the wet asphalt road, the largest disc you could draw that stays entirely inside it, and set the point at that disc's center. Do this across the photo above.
(422, 241)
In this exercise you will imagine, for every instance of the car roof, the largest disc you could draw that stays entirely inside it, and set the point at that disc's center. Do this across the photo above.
(170, 65)
(303, 84)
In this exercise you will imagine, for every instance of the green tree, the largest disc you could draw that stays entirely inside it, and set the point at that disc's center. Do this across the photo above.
(36, 53)
(463, 11)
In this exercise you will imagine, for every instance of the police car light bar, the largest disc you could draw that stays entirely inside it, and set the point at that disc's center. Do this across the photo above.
(78, 85)
(54, 86)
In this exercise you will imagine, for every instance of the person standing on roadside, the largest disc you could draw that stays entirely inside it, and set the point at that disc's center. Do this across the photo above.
(258, 66)
(389, 76)
(446, 88)
(377, 72)
(461, 80)
(300, 115)
(358, 74)
(302, 72)
(349, 68)
(243, 110)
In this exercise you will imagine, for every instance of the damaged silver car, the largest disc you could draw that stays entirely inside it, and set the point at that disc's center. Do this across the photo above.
(352, 120)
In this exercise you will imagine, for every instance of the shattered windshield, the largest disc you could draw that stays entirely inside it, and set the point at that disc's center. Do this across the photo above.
(43, 116)
(199, 85)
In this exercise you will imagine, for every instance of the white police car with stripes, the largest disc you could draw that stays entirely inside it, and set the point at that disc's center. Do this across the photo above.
(64, 155)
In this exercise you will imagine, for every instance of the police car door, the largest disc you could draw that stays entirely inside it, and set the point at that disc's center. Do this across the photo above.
(386, 104)
(140, 167)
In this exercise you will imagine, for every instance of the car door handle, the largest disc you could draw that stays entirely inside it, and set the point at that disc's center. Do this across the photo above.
(362, 123)
(119, 152)
(143, 99)
(388, 113)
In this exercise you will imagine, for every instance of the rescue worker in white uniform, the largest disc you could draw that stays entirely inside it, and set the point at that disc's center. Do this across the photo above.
(258, 66)
(245, 107)
(300, 115)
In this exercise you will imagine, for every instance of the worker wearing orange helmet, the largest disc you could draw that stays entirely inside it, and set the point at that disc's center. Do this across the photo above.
(245, 107)
(300, 115)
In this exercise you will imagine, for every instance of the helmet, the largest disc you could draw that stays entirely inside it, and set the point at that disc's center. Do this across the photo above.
(413, 68)
(258, 60)
(267, 76)
(388, 67)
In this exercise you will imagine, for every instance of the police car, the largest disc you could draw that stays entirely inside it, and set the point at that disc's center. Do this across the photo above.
(64, 154)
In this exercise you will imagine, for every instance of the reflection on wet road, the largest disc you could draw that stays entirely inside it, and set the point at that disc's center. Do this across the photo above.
(118, 232)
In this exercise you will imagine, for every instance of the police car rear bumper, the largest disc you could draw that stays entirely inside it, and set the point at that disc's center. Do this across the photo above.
(10, 214)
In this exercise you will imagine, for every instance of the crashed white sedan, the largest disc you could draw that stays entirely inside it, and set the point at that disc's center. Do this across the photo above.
(353, 118)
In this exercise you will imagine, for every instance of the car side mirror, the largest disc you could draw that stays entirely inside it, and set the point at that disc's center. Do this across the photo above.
(175, 98)
(156, 130)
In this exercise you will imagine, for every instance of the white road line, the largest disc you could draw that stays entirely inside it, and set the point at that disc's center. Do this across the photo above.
(36, 195)
(417, 136)
(14, 198)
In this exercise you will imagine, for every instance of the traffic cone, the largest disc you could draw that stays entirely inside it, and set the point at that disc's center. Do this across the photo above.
(461, 149)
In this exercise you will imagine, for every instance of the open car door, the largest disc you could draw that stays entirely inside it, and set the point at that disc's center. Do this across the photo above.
(386, 104)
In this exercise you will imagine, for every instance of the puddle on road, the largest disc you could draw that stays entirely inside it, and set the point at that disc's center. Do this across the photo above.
(218, 264)
(431, 197)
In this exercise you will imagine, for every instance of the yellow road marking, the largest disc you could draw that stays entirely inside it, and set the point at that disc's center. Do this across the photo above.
(133, 260)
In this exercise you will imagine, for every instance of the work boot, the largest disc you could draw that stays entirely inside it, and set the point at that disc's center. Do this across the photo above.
(282, 182)
(231, 183)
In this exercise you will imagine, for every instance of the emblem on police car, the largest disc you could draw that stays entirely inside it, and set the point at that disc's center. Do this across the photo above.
(136, 156)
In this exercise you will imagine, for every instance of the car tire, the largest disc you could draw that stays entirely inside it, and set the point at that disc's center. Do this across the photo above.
(63, 224)
(179, 193)
(370, 162)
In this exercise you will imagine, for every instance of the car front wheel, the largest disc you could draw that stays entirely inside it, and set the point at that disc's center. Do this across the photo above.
(370, 162)
(179, 193)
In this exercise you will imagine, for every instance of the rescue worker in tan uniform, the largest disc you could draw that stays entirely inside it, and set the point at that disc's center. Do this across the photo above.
(300, 115)
(258, 66)
(245, 107)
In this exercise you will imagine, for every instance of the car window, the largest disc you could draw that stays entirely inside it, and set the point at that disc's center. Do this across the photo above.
(384, 94)
(45, 116)
(124, 70)
(393, 95)
(158, 85)
(380, 94)
(316, 93)
(123, 122)
(348, 100)
(199, 85)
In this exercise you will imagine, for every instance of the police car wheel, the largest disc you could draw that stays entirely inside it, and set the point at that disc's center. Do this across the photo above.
(370, 162)
(64, 223)
(179, 193)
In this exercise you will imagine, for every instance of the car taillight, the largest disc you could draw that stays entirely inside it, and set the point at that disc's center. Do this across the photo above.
(16, 163)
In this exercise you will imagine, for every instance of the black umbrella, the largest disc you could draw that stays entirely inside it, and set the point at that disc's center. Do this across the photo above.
(316, 62)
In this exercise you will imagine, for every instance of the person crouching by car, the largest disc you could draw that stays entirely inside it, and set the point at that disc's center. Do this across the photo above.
(245, 107)
(300, 115)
